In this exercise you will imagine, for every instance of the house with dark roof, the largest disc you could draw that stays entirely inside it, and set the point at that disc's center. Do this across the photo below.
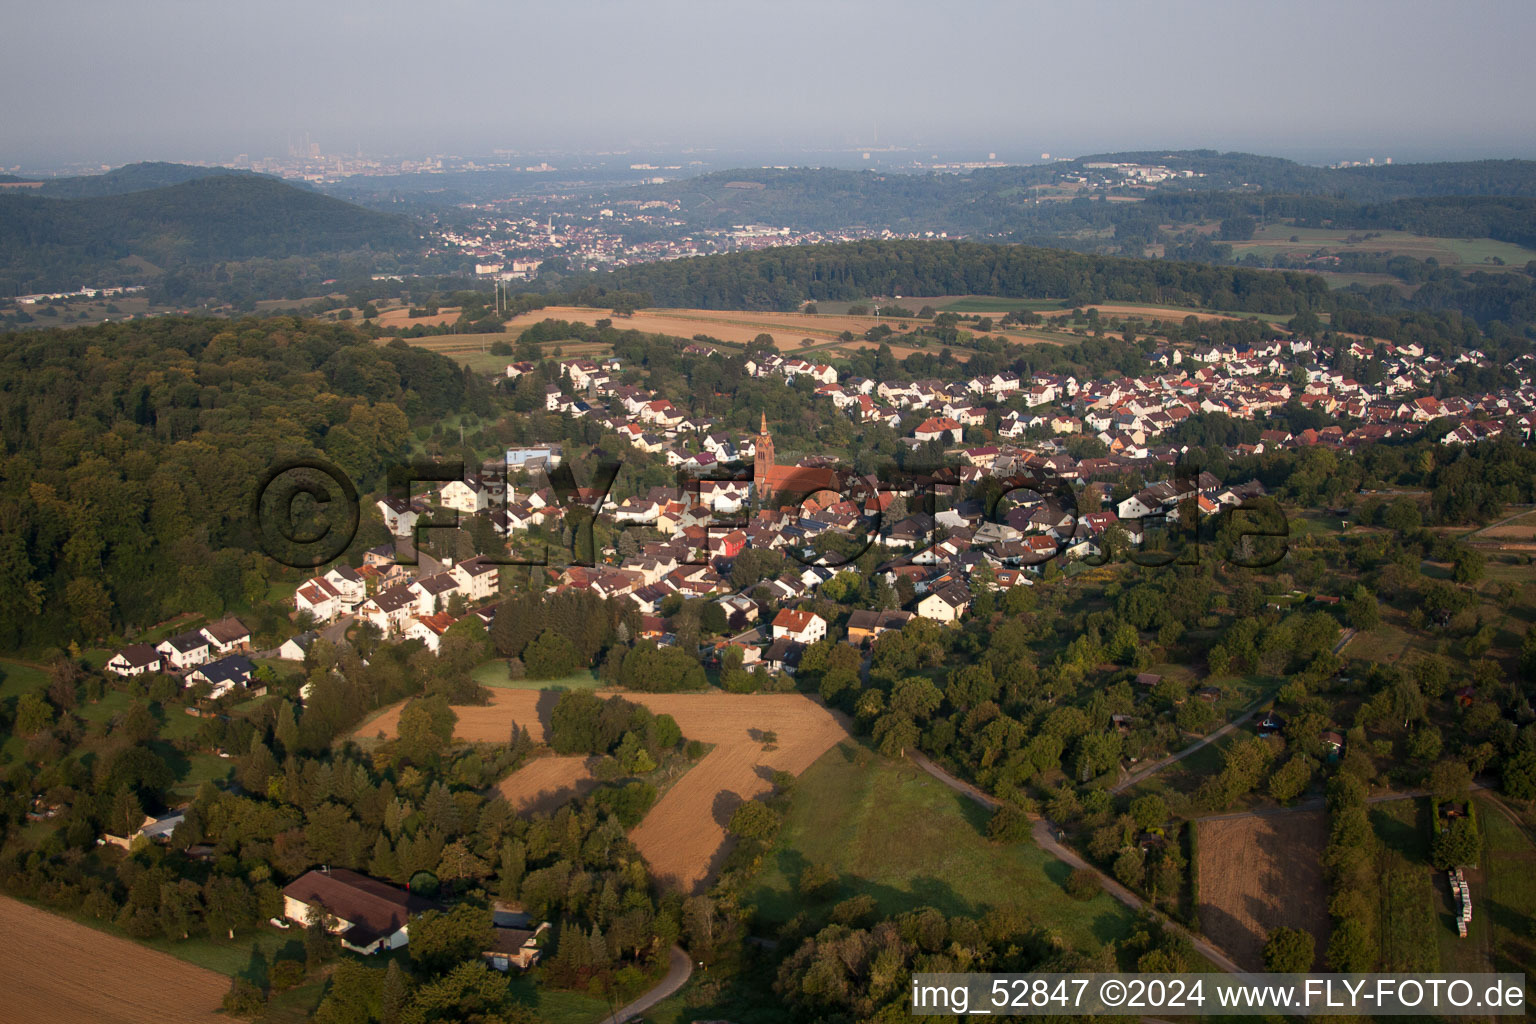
(368, 915)
(865, 625)
(228, 634)
(224, 675)
(185, 650)
(134, 660)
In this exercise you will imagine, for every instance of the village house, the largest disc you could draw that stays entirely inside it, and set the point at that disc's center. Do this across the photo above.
(945, 604)
(135, 660)
(369, 916)
(296, 648)
(865, 625)
(317, 599)
(514, 945)
(938, 428)
(429, 629)
(223, 676)
(434, 592)
(477, 578)
(389, 609)
(184, 651)
(399, 516)
(798, 626)
(226, 635)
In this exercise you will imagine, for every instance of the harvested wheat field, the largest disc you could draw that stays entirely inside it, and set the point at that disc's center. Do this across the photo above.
(739, 326)
(61, 972)
(683, 837)
(401, 317)
(545, 783)
(1258, 872)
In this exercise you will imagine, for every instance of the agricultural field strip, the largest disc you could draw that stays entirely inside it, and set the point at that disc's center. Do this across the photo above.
(59, 971)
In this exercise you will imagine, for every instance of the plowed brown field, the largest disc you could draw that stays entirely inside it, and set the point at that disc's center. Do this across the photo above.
(1258, 872)
(683, 837)
(545, 783)
(60, 972)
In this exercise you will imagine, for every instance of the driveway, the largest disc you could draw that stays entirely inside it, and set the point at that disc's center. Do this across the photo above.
(679, 970)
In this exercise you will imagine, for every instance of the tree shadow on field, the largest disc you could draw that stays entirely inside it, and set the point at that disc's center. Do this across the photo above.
(546, 708)
(724, 806)
(256, 969)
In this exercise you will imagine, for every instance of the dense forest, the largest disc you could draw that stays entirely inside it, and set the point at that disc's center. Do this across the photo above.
(54, 243)
(131, 451)
(782, 278)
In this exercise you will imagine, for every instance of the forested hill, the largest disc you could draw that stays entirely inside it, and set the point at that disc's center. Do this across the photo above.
(1370, 183)
(781, 278)
(1004, 203)
(129, 454)
(133, 178)
(51, 244)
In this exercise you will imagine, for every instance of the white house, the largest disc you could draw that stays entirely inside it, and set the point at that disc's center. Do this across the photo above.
(945, 604)
(351, 589)
(399, 517)
(465, 496)
(429, 629)
(801, 627)
(477, 578)
(368, 915)
(388, 610)
(938, 428)
(228, 634)
(185, 651)
(319, 599)
(433, 592)
(135, 660)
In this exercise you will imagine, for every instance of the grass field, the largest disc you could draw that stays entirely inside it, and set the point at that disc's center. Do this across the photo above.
(902, 837)
(1509, 861)
(17, 678)
(1411, 932)
(494, 673)
(1469, 253)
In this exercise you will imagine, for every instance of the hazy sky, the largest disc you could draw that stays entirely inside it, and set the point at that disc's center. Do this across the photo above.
(119, 80)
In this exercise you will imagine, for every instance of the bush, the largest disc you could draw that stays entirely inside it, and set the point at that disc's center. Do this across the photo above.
(627, 803)
(854, 911)
(1008, 824)
(817, 881)
(1083, 884)
(754, 820)
(243, 999)
(285, 974)
(1289, 951)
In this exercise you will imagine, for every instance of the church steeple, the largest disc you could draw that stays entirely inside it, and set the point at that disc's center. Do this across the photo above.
(763, 462)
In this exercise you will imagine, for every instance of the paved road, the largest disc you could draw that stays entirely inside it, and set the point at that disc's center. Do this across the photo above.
(678, 973)
(1045, 836)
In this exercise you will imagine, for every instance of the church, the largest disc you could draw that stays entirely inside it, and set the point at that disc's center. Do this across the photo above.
(792, 483)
